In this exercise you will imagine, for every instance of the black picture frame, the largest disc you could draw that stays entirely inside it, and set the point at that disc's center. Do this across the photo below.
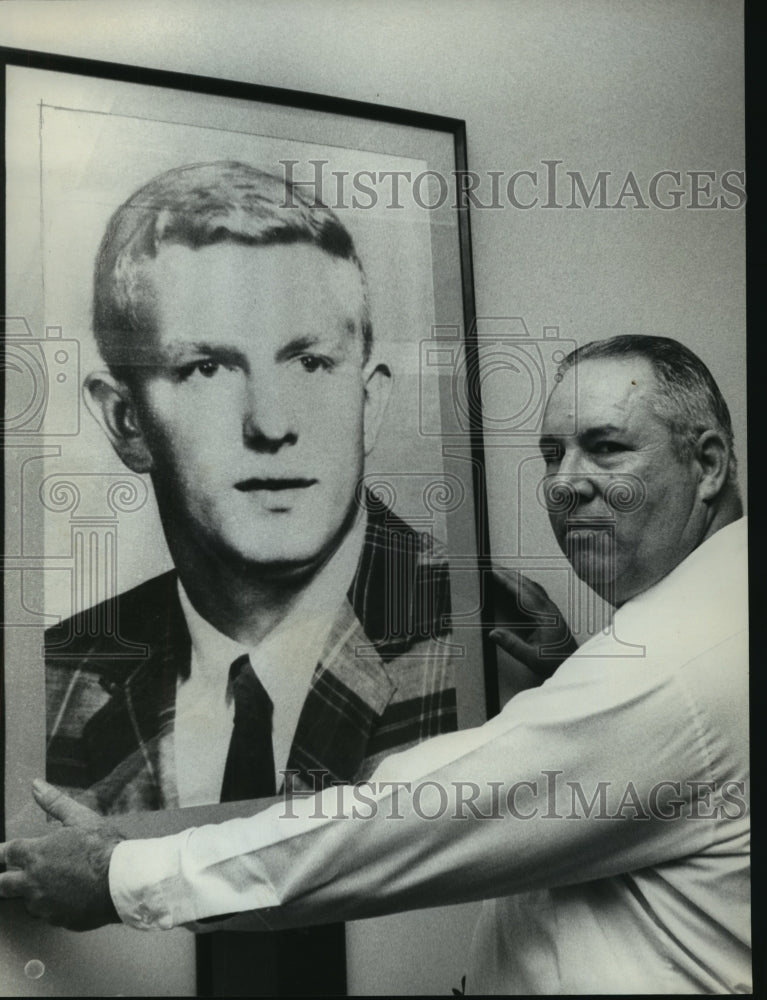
(39, 90)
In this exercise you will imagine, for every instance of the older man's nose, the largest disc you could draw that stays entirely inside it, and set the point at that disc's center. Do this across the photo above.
(570, 485)
(268, 419)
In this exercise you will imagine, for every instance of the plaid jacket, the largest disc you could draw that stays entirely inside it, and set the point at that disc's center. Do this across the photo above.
(383, 681)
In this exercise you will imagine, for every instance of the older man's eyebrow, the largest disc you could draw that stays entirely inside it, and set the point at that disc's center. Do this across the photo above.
(550, 443)
(591, 434)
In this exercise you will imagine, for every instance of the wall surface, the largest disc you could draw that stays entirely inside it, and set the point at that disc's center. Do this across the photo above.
(639, 87)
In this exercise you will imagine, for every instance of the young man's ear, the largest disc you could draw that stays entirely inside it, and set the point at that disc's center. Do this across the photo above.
(378, 385)
(111, 403)
(713, 457)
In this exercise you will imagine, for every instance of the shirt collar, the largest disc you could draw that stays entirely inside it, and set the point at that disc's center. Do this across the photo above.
(304, 627)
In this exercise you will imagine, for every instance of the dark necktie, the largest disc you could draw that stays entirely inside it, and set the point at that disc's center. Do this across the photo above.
(249, 771)
(280, 963)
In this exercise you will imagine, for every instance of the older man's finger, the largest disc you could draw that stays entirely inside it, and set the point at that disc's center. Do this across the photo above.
(13, 884)
(13, 853)
(512, 643)
(62, 807)
(529, 655)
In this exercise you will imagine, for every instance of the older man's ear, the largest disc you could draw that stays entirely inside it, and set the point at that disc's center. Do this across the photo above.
(378, 386)
(713, 457)
(111, 403)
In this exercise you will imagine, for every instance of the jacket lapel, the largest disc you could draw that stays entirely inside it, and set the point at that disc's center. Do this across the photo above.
(130, 740)
(348, 694)
(399, 596)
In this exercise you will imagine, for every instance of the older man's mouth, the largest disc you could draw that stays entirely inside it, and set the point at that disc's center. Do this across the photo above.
(594, 523)
(273, 485)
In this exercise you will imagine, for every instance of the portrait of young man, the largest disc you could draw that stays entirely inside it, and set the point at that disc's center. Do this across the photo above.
(241, 375)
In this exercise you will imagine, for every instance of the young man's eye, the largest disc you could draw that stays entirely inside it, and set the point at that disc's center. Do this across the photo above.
(315, 363)
(207, 368)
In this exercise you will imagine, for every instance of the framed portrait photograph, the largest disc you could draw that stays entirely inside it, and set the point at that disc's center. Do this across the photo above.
(245, 515)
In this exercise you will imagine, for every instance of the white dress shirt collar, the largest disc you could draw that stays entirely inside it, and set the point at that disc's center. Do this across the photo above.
(284, 661)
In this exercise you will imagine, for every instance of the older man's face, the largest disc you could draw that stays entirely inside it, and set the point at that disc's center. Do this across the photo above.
(255, 409)
(623, 507)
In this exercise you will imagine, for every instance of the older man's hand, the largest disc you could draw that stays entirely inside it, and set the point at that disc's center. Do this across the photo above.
(63, 876)
(545, 641)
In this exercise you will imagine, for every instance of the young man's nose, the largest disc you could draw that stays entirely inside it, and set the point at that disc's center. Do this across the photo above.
(268, 415)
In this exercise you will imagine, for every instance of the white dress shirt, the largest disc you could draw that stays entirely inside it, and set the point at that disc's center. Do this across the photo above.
(284, 661)
(582, 896)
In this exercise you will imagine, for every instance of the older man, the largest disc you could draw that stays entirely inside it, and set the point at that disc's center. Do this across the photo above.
(603, 816)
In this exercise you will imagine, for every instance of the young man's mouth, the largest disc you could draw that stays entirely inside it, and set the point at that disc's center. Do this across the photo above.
(273, 484)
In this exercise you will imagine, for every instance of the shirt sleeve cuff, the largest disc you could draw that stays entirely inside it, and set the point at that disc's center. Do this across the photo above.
(144, 879)
(178, 880)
